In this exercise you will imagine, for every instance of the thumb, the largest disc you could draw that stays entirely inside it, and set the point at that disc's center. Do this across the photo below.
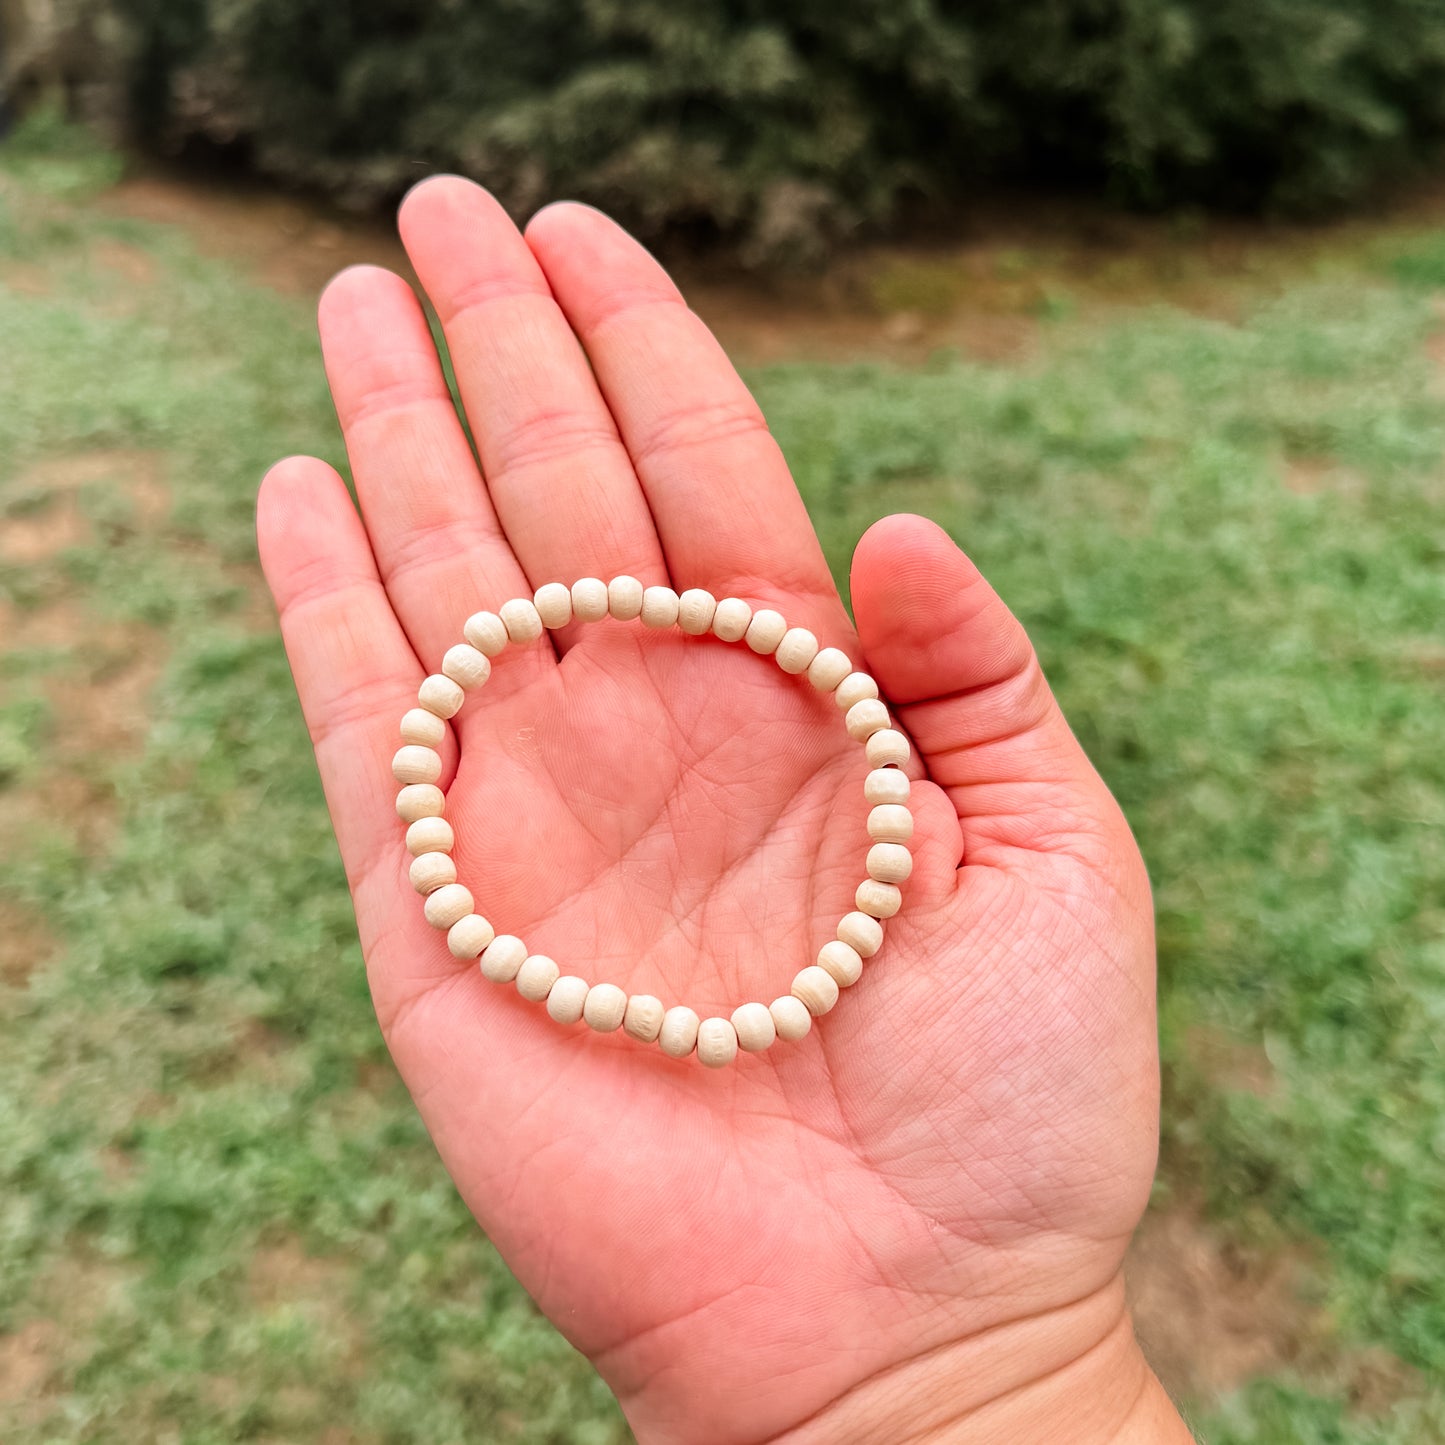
(965, 681)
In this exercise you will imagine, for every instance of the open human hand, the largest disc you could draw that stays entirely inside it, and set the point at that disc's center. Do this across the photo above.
(908, 1225)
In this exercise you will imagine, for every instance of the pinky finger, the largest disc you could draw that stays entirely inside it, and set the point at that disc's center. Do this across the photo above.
(355, 671)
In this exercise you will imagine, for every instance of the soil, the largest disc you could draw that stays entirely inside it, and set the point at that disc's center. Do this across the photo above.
(984, 292)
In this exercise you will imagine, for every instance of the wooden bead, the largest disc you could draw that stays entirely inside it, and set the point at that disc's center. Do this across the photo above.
(589, 599)
(486, 632)
(889, 862)
(430, 871)
(864, 935)
(536, 976)
(887, 749)
(717, 1043)
(643, 1019)
(853, 689)
(413, 764)
(890, 823)
(796, 651)
(566, 998)
(420, 800)
(659, 607)
(886, 785)
(843, 962)
(519, 617)
(606, 1007)
(878, 900)
(423, 728)
(791, 1018)
(765, 631)
(553, 601)
(449, 904)
(754, 1027)
(439, 694)
(695, 611)
(828, 669)
(624, 598)
(816, 988)
(430, 835)
(466, 665)
(502, 957)
(678, 1035)
(468, 936)
(866, 717)
(730, 621)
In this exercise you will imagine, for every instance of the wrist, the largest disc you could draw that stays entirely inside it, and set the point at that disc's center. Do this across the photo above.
(1071, 1376)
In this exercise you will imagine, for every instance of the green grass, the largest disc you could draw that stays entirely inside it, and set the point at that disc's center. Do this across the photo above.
(193, 1078)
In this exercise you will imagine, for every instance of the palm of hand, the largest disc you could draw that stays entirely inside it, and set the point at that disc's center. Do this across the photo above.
(965, 1141)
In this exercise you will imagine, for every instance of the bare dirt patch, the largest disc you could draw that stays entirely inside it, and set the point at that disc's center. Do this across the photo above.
(45, 513)
(25, 942)
(982, 287)
(26, 1360)
(1211, 1314)
(1315, 476)
(290, 244)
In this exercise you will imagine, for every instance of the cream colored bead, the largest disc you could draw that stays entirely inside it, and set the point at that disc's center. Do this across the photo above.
(717, 1043)
(695, 611)
(468, 936)
(791, 1018)
(796, 651)
(817, 988)
(864, 935)
(423, 728)
(486, 632)
(890, 823)
(536, 976)
(643, 1019)
(878, 900)
(466, 665)
(843, 962)
(430, 871)
(553, 601)
(828, 669)
(659, 607)
(678, 1036)
(413, 764)
(766, 631)
(502, 957)
(420, 800)
(624, 598)
(754, 1027)
(606, 1007)
(730, 621)
(886, 785)
(853, 689)
(567, 996)
(887, 749)
(439, 694)
(430, 835)
(864, 718)
(589, 599)
(889, 862)
(448, 905)
(520, 618)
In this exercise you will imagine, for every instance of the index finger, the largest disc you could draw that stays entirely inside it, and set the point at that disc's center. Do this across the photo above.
(726, 510)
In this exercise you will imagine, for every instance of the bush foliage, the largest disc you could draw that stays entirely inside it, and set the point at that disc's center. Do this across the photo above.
(781, 125)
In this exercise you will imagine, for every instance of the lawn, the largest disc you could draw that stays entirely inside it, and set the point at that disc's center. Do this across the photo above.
(219, 1217)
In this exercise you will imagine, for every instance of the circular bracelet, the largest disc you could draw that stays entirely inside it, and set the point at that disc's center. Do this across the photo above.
(678, 1031)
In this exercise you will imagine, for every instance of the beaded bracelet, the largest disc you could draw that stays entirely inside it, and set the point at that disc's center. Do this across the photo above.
(678, 1031)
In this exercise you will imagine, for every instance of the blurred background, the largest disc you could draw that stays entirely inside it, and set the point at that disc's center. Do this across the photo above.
(1143, 299)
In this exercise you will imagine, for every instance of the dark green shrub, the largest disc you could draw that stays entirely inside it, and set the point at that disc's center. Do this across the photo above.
(778, 126)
